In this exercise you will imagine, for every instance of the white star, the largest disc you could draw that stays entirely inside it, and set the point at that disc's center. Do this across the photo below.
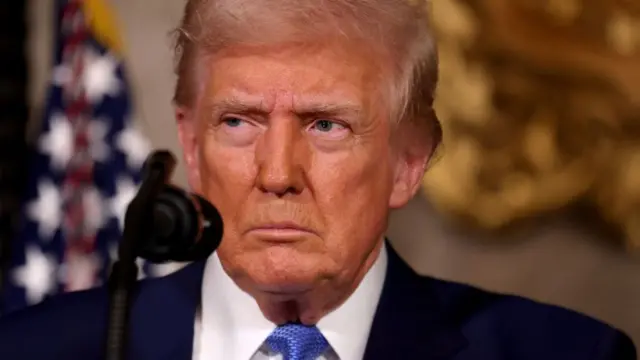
(46, 209)
(57, 143)
(99, 77)
(62, 75)
(134, 145)
(94, 216)
(79, 271)
(125, 192)
(97, 132)
(37, 275)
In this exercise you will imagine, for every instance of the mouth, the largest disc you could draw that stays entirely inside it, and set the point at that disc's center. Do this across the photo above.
(281, 232)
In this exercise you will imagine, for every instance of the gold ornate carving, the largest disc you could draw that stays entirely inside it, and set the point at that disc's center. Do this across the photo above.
(540, 103)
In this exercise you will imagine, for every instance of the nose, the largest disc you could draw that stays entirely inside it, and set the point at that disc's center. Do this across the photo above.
(280, 171)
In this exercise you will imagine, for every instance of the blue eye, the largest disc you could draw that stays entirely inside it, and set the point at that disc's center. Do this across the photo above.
(324, 125)
(232, 122)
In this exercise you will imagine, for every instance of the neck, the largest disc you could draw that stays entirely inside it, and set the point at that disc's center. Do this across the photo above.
(309, 307)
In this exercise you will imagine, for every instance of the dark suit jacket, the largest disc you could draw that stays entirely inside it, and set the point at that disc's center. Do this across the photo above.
(417, 318)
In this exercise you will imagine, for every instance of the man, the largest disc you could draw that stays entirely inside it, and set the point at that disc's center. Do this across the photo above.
(305, 122)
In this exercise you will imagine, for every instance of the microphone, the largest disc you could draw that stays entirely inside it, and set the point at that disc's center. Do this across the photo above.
(163, 223)
(181, 226)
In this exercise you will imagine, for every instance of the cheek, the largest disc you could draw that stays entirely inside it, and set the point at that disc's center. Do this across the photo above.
(227, 177)
(352, 194)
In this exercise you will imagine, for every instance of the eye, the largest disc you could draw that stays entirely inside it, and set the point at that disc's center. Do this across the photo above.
(327, 126)
(324, 125)
(232, 121)
(236, 131)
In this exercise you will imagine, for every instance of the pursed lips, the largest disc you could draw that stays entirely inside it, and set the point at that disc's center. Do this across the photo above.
(281, 230)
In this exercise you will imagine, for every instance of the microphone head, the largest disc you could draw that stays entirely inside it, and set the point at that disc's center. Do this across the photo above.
(161, 161)
(185, 227)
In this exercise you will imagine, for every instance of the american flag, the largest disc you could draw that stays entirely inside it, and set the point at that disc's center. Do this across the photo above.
(85, 167)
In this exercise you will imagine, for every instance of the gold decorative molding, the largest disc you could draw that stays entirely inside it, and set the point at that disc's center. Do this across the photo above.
(540, 103)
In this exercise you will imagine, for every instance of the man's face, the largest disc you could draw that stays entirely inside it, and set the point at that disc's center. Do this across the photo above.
(293, 148)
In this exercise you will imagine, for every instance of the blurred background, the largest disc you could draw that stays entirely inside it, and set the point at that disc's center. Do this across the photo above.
(535, 192)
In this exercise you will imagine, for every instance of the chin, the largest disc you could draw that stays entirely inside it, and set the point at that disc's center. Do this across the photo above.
(283, 270)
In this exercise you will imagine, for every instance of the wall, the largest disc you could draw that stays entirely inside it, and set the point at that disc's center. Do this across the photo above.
(557, 261)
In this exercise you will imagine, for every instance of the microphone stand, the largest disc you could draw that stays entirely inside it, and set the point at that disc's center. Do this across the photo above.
(124, 274)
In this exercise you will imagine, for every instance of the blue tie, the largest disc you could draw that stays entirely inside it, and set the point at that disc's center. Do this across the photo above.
(297, 342)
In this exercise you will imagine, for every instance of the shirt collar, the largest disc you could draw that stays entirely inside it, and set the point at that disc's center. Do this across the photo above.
(347, 327)
(233, 326)
(233, 323)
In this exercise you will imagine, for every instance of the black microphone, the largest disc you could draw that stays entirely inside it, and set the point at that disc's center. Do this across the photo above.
(179, 226)
(183, 227)
(163, 223)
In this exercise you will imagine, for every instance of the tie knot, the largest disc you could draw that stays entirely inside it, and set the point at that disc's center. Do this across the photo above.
(297, 342)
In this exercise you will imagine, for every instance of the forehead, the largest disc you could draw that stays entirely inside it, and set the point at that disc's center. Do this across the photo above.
(292, 77)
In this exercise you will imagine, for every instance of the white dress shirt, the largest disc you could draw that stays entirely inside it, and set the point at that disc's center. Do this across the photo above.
(231, 326)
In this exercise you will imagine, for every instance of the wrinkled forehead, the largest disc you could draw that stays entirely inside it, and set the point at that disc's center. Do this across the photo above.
(295, 78)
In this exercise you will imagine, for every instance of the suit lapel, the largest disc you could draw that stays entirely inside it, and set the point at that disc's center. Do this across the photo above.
(163, 316)
(409, 321)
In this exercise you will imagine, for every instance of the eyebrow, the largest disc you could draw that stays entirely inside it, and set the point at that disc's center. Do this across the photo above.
(317, 106)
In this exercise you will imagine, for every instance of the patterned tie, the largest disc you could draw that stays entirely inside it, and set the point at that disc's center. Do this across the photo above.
(297, 342)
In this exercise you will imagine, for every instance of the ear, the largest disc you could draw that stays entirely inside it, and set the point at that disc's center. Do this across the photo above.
(411, 163)
(187, 135)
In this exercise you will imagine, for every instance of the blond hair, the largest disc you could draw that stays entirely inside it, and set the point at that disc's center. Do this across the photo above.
(396, 30)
